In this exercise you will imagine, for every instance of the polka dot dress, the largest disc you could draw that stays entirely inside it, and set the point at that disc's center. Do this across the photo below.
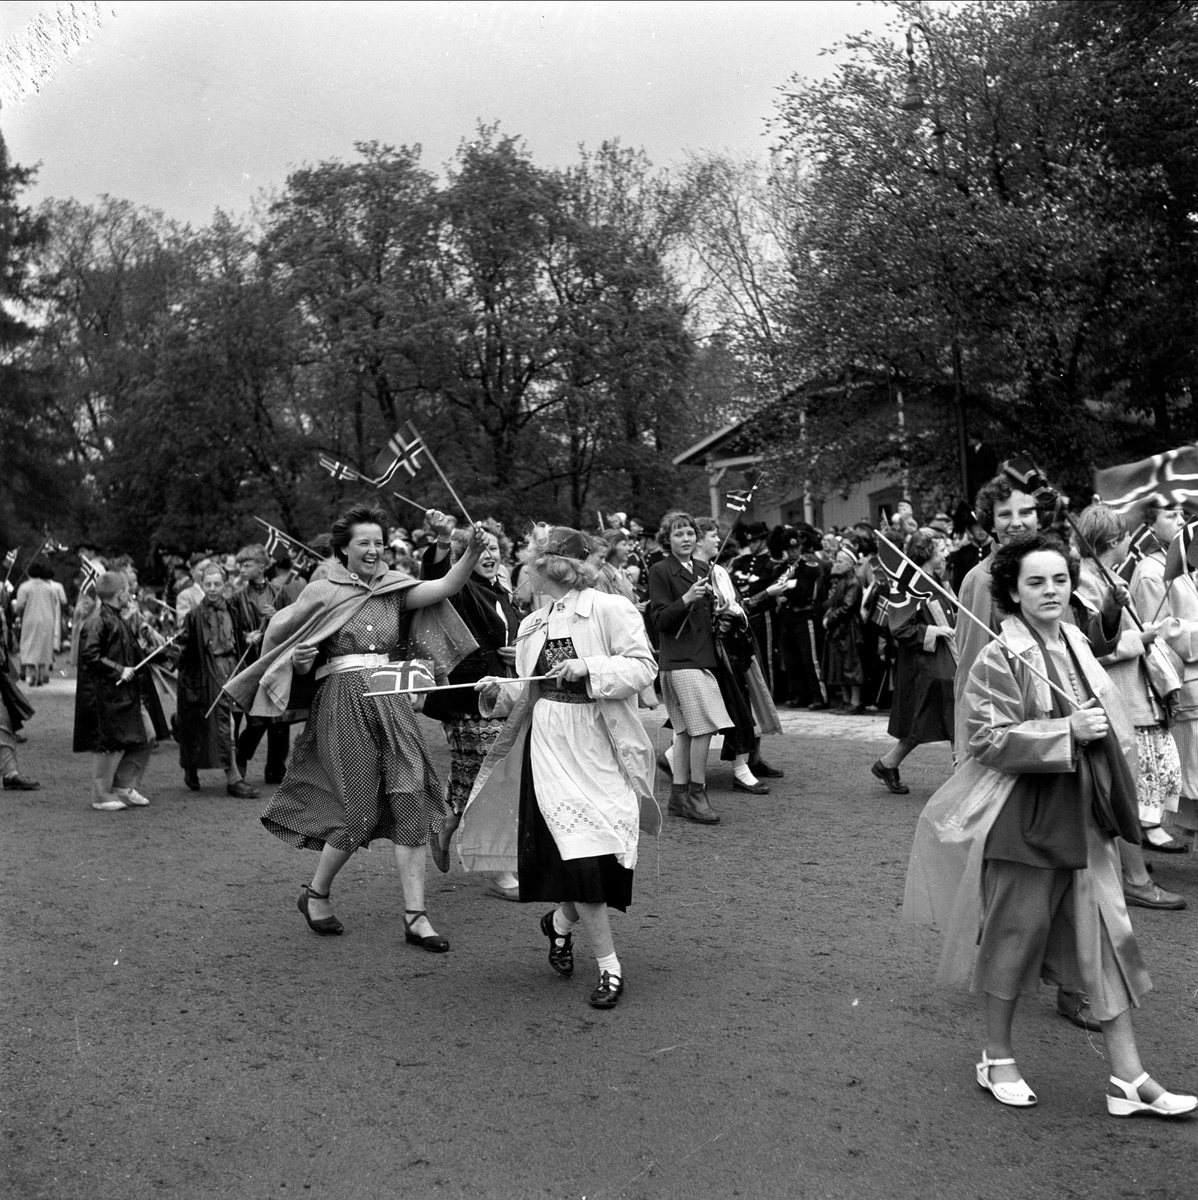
(360, 770)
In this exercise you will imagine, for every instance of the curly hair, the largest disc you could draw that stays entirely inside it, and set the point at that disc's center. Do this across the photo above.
(459, 539)
(674, 519)
(343, 527)
(920, 548)
(1008, 560)
(993, 492)
(550, 556)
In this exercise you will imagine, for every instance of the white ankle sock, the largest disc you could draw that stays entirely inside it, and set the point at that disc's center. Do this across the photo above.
(561, 923)
(611, 964)
(743, 775)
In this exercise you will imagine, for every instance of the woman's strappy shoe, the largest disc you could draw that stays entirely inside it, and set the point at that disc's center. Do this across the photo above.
(561, 946)
(434, 943)
(1015, 1095)
(1129, 1104)
(609, 991)
(324, 925)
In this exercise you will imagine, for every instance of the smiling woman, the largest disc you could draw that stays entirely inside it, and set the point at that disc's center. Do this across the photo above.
(360, 770)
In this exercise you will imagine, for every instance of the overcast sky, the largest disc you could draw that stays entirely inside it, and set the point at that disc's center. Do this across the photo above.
(188, 107)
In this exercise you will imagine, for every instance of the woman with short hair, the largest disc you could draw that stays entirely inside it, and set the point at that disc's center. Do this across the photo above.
(360, 770)
(1015, 856)
(681, 609)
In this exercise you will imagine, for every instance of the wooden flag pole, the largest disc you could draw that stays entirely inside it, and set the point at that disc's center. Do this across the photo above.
(444, 479)
(221, 690)
(409, 500)
(945, 594)
(155, 653)
(288, 538)
(445, 687)
(37, 554)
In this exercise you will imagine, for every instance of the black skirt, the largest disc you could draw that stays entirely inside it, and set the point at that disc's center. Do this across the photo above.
(545, 876)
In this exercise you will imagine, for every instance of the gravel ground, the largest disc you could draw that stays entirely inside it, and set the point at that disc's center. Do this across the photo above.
(175, 1030)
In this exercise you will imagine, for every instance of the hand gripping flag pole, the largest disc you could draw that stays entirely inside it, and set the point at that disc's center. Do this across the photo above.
(911, 586)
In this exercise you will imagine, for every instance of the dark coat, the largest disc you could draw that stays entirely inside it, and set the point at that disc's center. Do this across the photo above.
(842, 646)
(108, 714)
(18, 707)
(922, 708)
(686, 630)
(204, 668)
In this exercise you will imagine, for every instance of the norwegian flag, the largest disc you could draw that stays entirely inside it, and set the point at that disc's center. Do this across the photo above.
(407, 675)
(907, 581)
(403, 450)
(1167, 479)
(1028, 477)
(274, 540)
(1144, 542)
(339, 470)
(738, 501)
(10, 559)
(1182, 555)
(91, 573)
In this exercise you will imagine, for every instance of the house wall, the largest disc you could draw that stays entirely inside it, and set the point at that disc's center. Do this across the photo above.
(867, 499)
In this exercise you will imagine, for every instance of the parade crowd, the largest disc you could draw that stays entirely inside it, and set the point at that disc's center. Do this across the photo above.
(1058, 654)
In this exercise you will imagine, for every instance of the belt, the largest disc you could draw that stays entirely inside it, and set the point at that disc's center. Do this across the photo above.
(352, 662)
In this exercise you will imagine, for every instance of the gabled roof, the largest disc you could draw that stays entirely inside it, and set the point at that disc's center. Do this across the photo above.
(720, 443)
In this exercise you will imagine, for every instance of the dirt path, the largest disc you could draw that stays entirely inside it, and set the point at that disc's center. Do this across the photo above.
(173, 1029)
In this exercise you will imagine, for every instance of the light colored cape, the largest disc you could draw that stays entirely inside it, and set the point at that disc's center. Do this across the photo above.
(609, 636)
(436, 633)
(1010, 733)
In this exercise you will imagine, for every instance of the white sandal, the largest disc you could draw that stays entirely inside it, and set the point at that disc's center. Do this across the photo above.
(1167, 1104)
(1015, 1095)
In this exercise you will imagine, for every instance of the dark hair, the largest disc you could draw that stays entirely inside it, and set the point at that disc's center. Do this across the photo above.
(343, 527)
(1000, 488)
(920, 548)
(1007, 561)
(674, 519)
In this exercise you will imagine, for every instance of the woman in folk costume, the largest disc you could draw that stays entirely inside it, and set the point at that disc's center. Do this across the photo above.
(926, 661)
(216, 633)
(1140, 668)
(360, 770)
(1015, 854)
(567, 787)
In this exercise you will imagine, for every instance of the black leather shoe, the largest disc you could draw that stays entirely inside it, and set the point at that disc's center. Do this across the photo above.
(561, 946)
(677, 804)
(434, 943)
(609, 991)
(242, 790)
(16, 782)
(763, 770)
(757, 789)
(695, 806)
(890, 777)
(325, 925)
(817, 707)
(192, 780)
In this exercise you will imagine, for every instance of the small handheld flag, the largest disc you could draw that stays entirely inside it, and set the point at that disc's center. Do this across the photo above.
(739, 501)
(407, 675)
(402, 451)
(907, 581)
(339, 470)
(91, 574)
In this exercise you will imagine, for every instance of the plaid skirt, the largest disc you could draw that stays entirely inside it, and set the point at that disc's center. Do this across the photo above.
(694, 702)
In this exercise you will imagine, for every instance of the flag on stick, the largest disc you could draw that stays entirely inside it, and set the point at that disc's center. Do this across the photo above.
(1182, 554)
(91, 573)
(907, 581)
(414, 446)
(1144, 542)
(1166, 479)
(401, 677)
(402, 451)
(10, 561)
(739, 501)
(339, 470)
(276, 538)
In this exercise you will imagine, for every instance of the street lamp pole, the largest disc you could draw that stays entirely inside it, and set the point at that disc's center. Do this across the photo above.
(913, 101)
